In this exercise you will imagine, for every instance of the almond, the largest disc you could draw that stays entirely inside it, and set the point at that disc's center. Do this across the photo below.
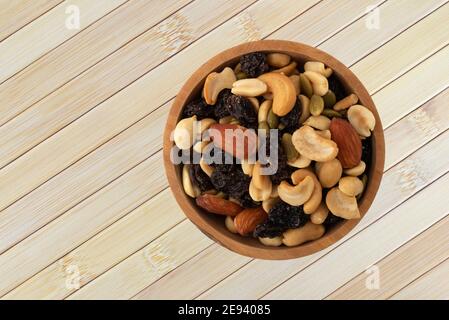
(247, 220)
(348, 142)
(234, 139)
(218, 205)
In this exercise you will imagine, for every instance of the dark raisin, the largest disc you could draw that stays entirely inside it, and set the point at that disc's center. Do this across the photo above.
(200, 178)
(291, 120)
(284, 171)
(199, 108)
(247, 202)
(280, 218)
(336, 86)
(242, 109)
(220, 109)
(254, 64)
(331, 220)
(230, 179)
(366, 151)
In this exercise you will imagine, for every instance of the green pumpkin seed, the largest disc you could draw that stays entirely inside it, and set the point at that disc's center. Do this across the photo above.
(241, 75)
(330, 113)
(227, 120)
(272, 119)
(306, 87)
(316, 105)
(289, 148)
(329, 99)
(264, 126)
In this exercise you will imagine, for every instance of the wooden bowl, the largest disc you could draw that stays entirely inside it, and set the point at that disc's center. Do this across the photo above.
(213, 225)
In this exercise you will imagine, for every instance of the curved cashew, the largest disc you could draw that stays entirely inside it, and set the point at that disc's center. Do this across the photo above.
(247, 168)
(347, 102)
(319, 82)
(278, 60)
(296, 195)
(295, 80)
(318, 67)
(357, 170)
(300, 162)
(284, 93)
(318, 122)
(269, 203)
(206, 168)
(329, 172)
(305, 108)
(272, 242)
(260, 181)
(215, 82)
(183, 134)
(287, 70)
(350, 186)
(312, 204)
(258, 194)
(313, 146)
(324, 133)
(229, 223)
(320, 214)
(362, 119)
(189, 188)
(342, 205)
(264, 108)
(274, 192)
(308, 232)
(200, 145)
(249, 87)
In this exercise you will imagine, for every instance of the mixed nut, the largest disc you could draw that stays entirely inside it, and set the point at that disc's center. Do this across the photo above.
(282, 149)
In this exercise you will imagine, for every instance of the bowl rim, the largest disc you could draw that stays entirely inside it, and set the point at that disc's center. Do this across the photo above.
(253, 248)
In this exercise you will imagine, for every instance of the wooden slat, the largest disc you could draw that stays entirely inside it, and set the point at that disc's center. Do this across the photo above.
(140, 98)
(370, 245)
(103, 251)
(433, 285)
(403, 266)
(81, 52)
(46, 33)
(16, 14)
(111, 74)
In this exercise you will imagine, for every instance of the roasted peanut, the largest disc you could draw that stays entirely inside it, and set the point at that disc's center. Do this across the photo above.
(319, 82)
(249, 87)
(362, 119)
(278, 60)
(329, 173)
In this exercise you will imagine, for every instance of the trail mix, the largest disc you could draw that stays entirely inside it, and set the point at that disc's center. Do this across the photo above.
(315, 143)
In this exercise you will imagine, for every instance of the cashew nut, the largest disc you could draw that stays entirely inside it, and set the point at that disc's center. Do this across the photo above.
(269, 203)
(287, 70)
(357, 170)
(247, 167)
(296, 195)
(342, 205)
(278, 60)
(300, 162)
(362, 119)
(229, 223)
(295, 80)
(324, 133)
(320, 214)
(283, 90)
(350, 186)
(183, 134)
(200, 145)
(329, 172)
(258, 194)
(313, 146)
(347, 102)
(263, 110)
(272, 242)
(319, 82)
(318, 122)
(206, 168)
(260, 181)
(308, 232)
(315, 199)
(305, 110)
(249, 87)
(215, 82)
(318, 67)
(189, 188)
(274, 192)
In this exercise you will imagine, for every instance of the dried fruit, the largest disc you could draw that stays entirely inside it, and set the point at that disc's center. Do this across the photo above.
(189, 188)
(283, 90)
(291, 120)
(216, 82)
(241, 109)
(247, 220)
(348, 142)
(220, 109)
(254, 64)
(337, 87)
(234, 139)
(198, 108)
(199, 178)
(218, 205)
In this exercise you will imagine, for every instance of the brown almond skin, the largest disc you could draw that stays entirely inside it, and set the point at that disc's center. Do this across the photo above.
(218, 205)
(348, 142)
(217, 132)
(247, 220)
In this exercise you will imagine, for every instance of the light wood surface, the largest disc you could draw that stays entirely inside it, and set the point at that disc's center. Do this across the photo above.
(81, 177)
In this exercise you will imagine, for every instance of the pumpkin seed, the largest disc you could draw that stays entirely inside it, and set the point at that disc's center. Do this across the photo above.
(289, 148)
(226, 120)
(272, 119)
(264, 126)
(241, 75)
(316, 105)
(305, 85)
(330, 113)
(329, 99)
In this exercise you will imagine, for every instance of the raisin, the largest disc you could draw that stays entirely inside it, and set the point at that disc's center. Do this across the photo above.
(283, 171)
(254, 64)
(242, 109)
(220, 109)
(199, 108)
(366, 151)
(291, 120)
(336, 86)
(200, 178)
(280, 218)
(331, 220)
